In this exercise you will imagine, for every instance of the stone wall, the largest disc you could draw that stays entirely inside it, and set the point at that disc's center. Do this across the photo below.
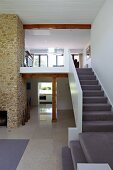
(12, 85)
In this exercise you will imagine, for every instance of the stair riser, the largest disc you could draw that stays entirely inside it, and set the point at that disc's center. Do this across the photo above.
(97, 108)
(94, 100)
(90, 94)
(104, 128)
(91, 87)
(88, 77)
(92, 82)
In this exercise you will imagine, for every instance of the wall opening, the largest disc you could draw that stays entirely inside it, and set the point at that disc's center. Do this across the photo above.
(45, 93)
(3, 118)
(45, 100)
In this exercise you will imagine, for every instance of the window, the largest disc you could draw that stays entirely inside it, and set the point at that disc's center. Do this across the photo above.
(48, 60)
(43, 61)
(36, 61)
(51, 60)
(60, 60)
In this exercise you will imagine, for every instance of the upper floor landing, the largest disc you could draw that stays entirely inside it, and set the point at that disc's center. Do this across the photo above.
(51, 61)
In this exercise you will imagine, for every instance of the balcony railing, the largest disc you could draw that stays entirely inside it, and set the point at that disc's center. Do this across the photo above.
(45, 62)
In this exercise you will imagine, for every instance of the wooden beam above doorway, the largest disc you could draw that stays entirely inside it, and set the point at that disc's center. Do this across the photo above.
(57, 26)
(39, 75)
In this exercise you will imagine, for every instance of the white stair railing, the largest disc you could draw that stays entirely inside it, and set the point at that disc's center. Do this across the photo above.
(76, 94)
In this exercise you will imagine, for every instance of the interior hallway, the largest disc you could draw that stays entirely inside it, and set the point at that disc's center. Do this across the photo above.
(46, 138)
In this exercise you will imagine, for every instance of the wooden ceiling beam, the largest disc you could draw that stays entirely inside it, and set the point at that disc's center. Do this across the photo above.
(40, 75)
(57, 26)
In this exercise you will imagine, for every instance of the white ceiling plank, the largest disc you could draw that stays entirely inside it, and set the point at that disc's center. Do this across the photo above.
(53, 11)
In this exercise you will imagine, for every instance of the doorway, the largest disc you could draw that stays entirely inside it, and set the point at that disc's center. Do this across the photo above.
(45, 93)
(45, 100)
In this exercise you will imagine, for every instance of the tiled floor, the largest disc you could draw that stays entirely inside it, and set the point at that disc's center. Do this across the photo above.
(46, 139)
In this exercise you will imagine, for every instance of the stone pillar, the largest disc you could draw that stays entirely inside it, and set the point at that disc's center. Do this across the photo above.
(12, 85)
(81, 60)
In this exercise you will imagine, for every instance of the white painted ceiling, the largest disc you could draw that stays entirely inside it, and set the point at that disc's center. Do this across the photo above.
(57, 38)
(52, 11)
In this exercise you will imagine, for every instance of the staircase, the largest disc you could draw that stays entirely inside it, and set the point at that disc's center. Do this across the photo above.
(89, 149)
(95, 144)
(97, 114)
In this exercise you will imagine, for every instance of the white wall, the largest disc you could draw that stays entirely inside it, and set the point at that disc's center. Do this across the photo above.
(102, 47)
(56, 38)
(86, 61)
(33, 93)
(63, 94)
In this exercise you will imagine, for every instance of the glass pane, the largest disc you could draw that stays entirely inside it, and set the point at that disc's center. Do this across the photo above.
(43, 61)
(36, 61)
(51, 60)
(60, 60)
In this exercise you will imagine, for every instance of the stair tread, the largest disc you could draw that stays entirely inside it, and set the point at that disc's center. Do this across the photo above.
(90, 90)
(91, 85)
(93, 91)
(98, 113)
(96, 104)
(87, 76)
(98, 147)
(84, 69)
(89, 80)
(100, 123)
(94, 97)
(77, 153)
(97, 116)
(67, 159)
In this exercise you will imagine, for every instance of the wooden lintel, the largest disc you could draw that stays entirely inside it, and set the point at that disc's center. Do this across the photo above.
(57, 26)
(39, 75)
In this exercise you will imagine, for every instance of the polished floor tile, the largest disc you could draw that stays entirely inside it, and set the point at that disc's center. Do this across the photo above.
(46, 138)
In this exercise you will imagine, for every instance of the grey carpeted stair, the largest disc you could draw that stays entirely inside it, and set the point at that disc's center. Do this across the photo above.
(77, 153)
(97, 115)
(96, 107)
(88, 82)
(97, 147)
(88, 77)
(97, 126)
(85, 71)
(92, 93)
(92, 147)
(89, 87)
(94, 99)
(67, 163)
